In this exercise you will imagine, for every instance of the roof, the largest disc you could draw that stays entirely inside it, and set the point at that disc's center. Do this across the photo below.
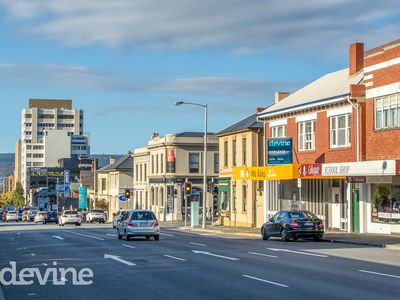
(124, 163)
(192, 134)
(249, 122)
(328, 87)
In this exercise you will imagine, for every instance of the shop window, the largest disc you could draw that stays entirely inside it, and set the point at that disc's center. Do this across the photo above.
(385, 203)
(224, 201)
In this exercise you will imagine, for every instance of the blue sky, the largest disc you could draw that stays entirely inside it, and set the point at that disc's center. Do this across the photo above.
(125, 62)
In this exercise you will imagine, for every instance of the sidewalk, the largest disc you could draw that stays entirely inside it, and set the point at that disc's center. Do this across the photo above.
(391, 241)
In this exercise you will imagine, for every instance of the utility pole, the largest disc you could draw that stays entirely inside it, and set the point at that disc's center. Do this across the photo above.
(94, 183)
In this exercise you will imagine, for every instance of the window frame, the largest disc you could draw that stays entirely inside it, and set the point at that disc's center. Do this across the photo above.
(302, 136)
(275, 131)
(334, 132)
(198, 162)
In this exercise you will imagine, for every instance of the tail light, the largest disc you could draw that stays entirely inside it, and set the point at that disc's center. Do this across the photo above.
(321, 226)
(78, 216)
(156, 224)
(131, 224)
(64, 216)
(294, 224)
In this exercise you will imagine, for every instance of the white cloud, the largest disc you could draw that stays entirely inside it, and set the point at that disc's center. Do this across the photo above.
(239, 26)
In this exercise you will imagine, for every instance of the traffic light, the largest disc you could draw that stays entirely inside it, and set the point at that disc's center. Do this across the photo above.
(127, 194)
(188, 189)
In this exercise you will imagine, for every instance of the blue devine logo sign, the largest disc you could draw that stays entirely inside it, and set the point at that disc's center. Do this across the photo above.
(280, 151)
(83, 197)
(66, 183)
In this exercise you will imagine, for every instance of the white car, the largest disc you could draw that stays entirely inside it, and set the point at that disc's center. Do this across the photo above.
(40, 217)
(96, 215)
(70, 217)
(12, 215)
(117, 217)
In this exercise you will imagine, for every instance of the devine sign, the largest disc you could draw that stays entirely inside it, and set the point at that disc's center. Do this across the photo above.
(280, 151)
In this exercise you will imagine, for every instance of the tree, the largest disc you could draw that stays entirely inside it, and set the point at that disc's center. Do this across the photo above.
(4, 198)
(17, 197)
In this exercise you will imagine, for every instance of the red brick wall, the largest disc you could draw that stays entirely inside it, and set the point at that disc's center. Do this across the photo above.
(322, 153)
(381, 144)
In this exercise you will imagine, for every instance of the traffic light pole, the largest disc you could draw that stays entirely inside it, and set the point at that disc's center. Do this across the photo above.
(186, 197)
(205, 168)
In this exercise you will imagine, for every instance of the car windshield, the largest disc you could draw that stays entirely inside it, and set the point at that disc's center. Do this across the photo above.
(297, 215)
(99, 211)
(70, 212)
(143, 215)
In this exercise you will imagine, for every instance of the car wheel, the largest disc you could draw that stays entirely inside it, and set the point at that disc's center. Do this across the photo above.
(126, 236)
(265, 236)
(284, 235)
(62, 225)
(147, 237)
(157, 237)
(119, 236)
(317, 238)
(295, 238)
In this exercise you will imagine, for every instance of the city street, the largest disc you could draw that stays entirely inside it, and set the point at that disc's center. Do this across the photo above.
(185, 265)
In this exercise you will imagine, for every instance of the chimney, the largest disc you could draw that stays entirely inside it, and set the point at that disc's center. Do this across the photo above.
(356, 58)
(155, 135)
(112, 159)
(280, 96)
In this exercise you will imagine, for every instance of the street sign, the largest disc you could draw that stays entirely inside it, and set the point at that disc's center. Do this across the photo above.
(122, 198)
(83, 197)
(66, 183)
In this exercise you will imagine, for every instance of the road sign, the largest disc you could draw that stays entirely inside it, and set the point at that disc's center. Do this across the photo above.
(66, 183)
(122, 198)
(83, 197)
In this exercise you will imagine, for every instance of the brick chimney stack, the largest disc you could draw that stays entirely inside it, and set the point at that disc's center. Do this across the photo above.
(280, 96)
(356, 58)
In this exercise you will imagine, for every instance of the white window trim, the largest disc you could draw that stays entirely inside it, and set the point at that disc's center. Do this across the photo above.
(302, 147)
(347, 134)
(200, 161)
(278, 123)
(275, 128)
(339, 111)
(304, 118)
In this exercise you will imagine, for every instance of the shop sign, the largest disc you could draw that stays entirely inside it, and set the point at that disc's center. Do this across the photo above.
(280, 151)
(284, 172)
(310, 170)
(83, 197)
(356, 179)
(338, 170)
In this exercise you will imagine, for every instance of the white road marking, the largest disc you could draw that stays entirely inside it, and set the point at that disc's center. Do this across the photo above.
(85, 235)
(197, 244)
(32, 294)
(174, 257)
(57, 237)
(381, 274)
(127, 246)
(111, 234)
(166, 234)
(297, 252)
(215, 255)
(266, 281)
(18, 233)
(41, 265)
(118, 259)
(262, 254)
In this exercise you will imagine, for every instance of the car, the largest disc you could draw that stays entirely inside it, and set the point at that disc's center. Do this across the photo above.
(25, 216)
(31, 214)
(51, 217)
(291, 224)
(138, 223)
(96, 215)
(40, 217)
(12, 215)
(70, 217)
(117, 217)
(20, 212)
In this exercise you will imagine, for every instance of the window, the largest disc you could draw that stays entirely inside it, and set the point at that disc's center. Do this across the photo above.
(278, 131)
(194, 166)
(162, 163)
(340, 131)
(141, 172)
(152, 164)
(225, 154)
(234, 152)
(137, 173)
(307, 135)
(103, 184)
(157, 163)
(244, 150)
(244, 204)
(145, 172)
(216, 163)
(234, 197)
(387, 111)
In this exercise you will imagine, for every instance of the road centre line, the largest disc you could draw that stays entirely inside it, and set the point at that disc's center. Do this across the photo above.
(377, 273)
(266, 281)
(85, 235)
(127, 246)
(297, 252)
(174, 257)
(111, 234)
(57, 237)
(262, 254)
(198, 244)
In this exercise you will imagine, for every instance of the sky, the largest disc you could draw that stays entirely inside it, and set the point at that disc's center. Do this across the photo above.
(126, 62)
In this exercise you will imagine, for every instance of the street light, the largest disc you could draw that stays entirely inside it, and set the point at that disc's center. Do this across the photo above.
(178, 103)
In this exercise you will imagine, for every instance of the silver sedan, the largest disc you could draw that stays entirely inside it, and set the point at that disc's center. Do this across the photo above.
(138, 223)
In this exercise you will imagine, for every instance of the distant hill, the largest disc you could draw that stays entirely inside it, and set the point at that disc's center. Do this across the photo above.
(6, 164)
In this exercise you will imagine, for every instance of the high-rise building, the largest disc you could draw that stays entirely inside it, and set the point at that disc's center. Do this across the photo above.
(51, 129)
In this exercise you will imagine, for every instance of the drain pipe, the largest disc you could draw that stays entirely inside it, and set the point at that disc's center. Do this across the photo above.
(356, 107)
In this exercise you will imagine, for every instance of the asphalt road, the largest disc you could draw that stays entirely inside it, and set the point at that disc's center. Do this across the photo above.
(185, 265)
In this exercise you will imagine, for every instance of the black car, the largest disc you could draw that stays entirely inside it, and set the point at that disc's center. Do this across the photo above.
(293, 225)
(51, 217)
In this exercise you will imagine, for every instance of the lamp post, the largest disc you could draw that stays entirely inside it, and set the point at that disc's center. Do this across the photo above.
(205, 106)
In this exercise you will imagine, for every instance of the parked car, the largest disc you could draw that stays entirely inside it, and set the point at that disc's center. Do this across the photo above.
(96, 215)
(40, 217)
(51, 217)
(31, 214)
(138, 223)
(117, 217)
(293, 225)
(70, 217)
(25, 216)
(12, 215)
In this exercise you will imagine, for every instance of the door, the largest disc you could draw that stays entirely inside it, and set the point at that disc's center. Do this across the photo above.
(355, 208)
(335, 207)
